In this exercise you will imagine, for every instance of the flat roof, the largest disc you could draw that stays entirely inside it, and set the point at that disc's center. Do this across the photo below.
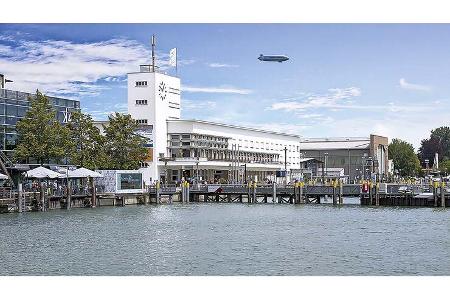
(335, 143)
(235, 126)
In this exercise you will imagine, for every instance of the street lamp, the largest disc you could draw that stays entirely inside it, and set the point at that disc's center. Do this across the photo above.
(326, 164)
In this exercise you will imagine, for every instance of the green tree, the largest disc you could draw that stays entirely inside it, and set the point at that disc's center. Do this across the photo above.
(404, 157)
(123, 146)
(438, 142)
(87, 144)
(445, 166)
(40, 136)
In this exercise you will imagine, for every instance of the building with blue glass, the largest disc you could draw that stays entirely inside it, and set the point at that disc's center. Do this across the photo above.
(14, 105)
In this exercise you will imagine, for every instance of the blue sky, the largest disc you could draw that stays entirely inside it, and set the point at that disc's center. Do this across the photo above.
(341, 79)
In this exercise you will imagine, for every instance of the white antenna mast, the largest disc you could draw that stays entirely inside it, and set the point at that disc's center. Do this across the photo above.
(153, 53)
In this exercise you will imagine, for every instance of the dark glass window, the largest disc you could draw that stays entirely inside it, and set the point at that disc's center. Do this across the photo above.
(11, 110)
(21, 110)
(11, 120)
(11, 141)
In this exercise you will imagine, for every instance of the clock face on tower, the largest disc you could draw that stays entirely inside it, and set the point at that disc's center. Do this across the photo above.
(162, 90)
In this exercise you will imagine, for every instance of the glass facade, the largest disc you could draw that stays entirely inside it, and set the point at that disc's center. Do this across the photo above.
(14, 105)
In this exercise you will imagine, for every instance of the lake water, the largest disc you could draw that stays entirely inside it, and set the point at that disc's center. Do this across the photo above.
(227, 239)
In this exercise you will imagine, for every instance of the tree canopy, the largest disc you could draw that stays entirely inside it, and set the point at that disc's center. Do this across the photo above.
(87, 143)
(438, 142)
(40, 136)
(42, 139)
(124, 148)
(404, 157)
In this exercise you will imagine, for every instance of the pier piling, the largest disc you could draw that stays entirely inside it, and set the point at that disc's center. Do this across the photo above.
(157, 188)
(334, 192)
(274, 192)
(377, 194)
(442, 194)
(300, 189)
(20, 200)
(435, 196)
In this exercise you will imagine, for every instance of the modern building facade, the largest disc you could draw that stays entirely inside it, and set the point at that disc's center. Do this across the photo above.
(14, 105)
(358, 157)
(192, 149)
(222, 152)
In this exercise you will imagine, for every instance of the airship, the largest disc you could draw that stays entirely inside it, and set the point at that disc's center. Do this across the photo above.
(278, 58)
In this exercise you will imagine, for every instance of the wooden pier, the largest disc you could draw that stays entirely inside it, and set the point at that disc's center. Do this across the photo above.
(375, 194)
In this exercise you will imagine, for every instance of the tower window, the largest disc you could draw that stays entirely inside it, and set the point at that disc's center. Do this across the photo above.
(141, 102)
(141, 83)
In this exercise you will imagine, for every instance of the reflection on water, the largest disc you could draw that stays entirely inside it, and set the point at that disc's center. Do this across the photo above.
(227, 239)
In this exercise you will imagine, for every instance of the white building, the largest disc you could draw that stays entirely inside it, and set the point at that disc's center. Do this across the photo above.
(198, 149)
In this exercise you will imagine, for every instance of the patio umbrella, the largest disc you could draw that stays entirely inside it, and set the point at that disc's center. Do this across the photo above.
(3, 176)
(41, 172)
(83, 173)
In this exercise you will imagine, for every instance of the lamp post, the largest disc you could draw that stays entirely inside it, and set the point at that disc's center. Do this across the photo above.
(326, 164)
(245, 172)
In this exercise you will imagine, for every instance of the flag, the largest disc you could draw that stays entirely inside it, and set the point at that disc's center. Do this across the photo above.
(173, 57)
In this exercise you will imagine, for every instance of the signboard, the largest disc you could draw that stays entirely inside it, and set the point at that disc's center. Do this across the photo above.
(281, 173)
(129, 181)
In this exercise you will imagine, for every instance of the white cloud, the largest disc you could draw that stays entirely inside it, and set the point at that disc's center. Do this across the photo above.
(220, 90)
(62, 67)
(202, 105)
(336, 98)
(412, 86)
(220, 65)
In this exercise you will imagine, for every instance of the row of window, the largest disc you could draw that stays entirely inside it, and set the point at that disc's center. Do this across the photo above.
(19, 98)
(141, 102)
(142, 121)
(246, 144)
(141, 83)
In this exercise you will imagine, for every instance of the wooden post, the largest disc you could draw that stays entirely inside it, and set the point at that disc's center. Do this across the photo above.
(42, 195)
(69, 194)
(274, 192)
(254, 193)
(377, 194)
(249, 197)
(435, 187)
(300, 189)
(183, 191)
(341, 193)
(19, 197)
(294, 201)
(157, 187)
(94, 193)
(442, 194)
(334, 192)
(370, 193)
(187, 192)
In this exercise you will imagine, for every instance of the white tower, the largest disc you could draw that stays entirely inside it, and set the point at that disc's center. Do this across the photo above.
(153, 98)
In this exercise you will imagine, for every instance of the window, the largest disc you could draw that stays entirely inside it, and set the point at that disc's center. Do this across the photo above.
(142, 121)
(141, 102)
(129, 181)
(141, 83)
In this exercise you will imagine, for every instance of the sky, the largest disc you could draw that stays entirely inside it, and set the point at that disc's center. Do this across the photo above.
(340, 80)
